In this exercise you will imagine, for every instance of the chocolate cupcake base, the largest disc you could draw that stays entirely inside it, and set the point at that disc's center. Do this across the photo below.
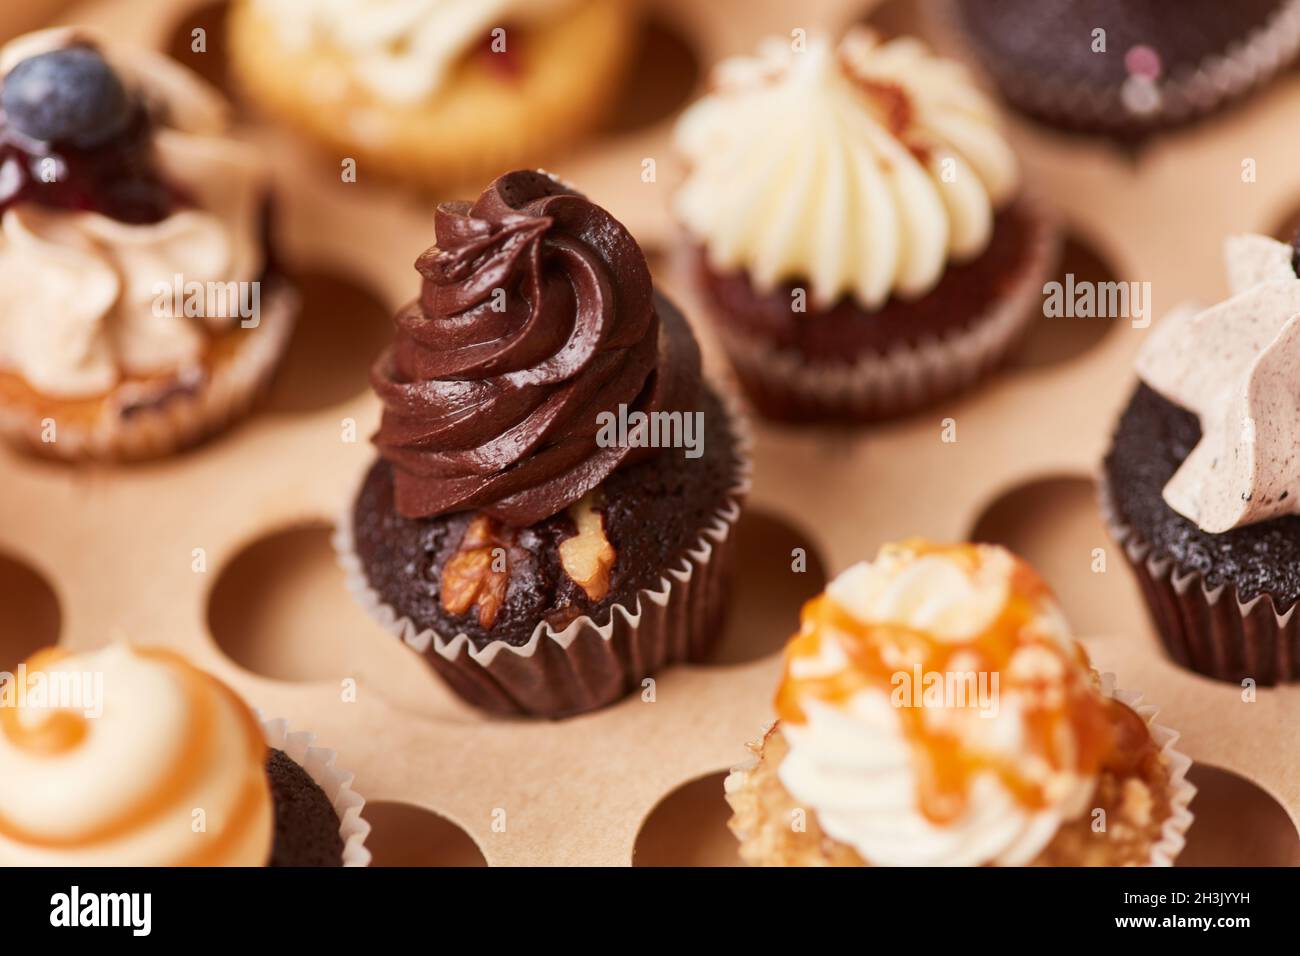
(845, 365)
(550, 652)
(1223, 605)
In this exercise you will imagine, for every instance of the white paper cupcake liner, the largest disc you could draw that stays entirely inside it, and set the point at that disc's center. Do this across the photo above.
(1208, 630)
(178, 420)
(1181, 97)
(785, 384)
(586, 665)
(337, 784)
(1173, 832)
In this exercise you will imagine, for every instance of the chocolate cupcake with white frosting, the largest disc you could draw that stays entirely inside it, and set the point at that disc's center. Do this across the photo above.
(857, 226)
(140, 310)
(1202, 481)
(143, 760)
(548, 522)
(935, 711)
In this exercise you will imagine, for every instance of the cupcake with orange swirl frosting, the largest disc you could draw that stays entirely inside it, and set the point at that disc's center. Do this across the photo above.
(132, 757)
(857, 226)
(934, 711)
(549, 519)
(140, 310)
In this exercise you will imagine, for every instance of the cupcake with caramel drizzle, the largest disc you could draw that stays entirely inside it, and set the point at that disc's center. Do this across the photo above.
(935, 711)
(132, 757)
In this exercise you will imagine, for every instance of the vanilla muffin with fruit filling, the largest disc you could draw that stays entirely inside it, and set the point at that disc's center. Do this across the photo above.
(934, 711)
(140, 310)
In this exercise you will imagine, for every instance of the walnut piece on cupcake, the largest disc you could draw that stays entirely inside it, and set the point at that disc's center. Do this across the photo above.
(935, 711)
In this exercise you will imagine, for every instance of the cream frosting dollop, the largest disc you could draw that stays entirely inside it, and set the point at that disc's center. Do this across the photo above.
(861, 168)
(868, 758)
(80, 302)
(401, 50)
(1236, 365)
(141, 760)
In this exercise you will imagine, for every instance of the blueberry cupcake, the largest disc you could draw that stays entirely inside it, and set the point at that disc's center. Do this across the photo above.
(1128, 69)
(857, 227)
(548, 521)
(935, 711)
(1202, 482)
(433, 92)
(143, 760)
(139, 308)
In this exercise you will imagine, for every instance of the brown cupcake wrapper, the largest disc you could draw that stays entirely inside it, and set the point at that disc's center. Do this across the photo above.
(178, 420)
(745, 820)
(337, 784)
(784, 385)
(586, 665)
(1208, 630)
(1183, 97)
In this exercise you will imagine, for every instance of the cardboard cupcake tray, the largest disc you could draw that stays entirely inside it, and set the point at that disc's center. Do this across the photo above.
(223, 553)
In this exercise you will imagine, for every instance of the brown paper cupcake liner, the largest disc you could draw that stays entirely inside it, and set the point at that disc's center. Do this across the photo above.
(176, 421)
(785, 385)
(1183, 97)
(1208, 630)
(746, 821)
(337, 784)
(586, 665)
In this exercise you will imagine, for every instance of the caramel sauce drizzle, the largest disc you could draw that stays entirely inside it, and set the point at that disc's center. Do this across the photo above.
(1068, 724)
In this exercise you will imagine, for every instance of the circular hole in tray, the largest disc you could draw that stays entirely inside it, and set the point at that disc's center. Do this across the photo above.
(1055, 339)
(1237, 824)
(689, 828)
(896, 18)
(406, 835)
(30, 617)
(341, 329)
(211, 64)
(659, 80)
(1056, 526)
(281, 608)
(766, 590)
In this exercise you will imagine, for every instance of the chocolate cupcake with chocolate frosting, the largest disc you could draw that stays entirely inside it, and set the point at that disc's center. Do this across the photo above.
(548, 521)
(1202, 482)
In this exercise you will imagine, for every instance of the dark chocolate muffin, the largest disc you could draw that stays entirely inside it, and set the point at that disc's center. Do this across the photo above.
(548, 520)
(1127, 69)
(306, 826)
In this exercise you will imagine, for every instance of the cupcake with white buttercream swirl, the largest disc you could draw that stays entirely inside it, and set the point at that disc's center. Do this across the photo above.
(935, 711)
(856, 225)
(139, 307)
(129, 756)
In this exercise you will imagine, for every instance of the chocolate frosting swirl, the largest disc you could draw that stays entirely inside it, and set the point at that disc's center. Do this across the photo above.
(536, 314)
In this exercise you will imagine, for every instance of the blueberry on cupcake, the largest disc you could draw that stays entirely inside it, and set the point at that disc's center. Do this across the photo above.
(548, 521)
(858, 226)
(1202, 481)
(139, 307)
(129, 756)
(1124, 69)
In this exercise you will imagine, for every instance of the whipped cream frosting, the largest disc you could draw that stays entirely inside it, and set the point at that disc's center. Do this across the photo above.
(987, 780)
(1237, 366)
(78, 289)
(165, 769)
(861, 169)
(401, 50)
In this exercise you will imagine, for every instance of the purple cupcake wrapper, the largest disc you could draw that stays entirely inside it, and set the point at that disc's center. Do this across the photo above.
(786, 385)
(1208, 630)
(585, 666)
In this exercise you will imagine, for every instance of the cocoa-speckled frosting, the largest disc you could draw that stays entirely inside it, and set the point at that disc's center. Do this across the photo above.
(536, 313)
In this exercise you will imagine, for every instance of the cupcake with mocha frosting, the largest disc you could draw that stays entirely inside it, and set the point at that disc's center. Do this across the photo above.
(130, 756)
(857, 226)
(434, 93)
(548, 521)
(139, 307)
(934, 711)
(1202, 481)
